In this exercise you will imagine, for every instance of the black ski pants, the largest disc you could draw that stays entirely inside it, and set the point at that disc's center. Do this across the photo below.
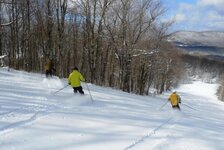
(78, 89)
(177, 106)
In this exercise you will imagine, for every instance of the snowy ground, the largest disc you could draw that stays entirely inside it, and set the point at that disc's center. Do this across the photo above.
(32, 117)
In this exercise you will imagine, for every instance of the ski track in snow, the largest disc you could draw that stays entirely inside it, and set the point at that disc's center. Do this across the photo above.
(146, 137)
(168, 124)
(163, 143)
(114, 120)
(11, 127)
(34, 113)
(16, 113)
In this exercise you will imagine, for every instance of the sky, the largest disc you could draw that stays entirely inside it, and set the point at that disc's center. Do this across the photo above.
(195, 15)
(34, 117)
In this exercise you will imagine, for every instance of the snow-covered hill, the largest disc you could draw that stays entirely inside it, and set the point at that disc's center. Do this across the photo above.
(32, 117)
(209, 38)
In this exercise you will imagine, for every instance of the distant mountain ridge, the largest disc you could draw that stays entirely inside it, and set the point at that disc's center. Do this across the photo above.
(206, 38)
(209, 43)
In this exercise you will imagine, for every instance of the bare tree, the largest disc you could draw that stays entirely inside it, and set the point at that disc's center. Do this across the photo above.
(117, 43)
(130, 23)
(1, 52)
(61, 10)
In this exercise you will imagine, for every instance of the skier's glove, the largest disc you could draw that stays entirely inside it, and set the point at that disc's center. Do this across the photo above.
(69, 83)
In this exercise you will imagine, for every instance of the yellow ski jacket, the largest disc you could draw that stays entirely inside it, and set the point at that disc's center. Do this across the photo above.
(174, 99)
(74, 78)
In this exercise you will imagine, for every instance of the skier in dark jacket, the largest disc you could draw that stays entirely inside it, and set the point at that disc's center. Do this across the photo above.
(48, 68)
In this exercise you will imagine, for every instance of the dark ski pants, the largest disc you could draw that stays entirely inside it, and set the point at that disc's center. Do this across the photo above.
(48, 73)
(78, 89)
(177, 106)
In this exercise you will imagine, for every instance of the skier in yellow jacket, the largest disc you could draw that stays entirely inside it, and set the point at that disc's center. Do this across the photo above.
(175, 100)
(75, 79)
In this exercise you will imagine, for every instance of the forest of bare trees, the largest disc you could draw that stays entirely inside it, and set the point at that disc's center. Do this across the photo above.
(116, 43)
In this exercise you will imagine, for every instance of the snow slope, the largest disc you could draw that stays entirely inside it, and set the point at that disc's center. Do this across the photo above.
(32, 117)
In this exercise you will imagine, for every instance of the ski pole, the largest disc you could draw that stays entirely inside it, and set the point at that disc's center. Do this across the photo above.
(163, 105)
(89, 92)
(60, 89)
(189, 106)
